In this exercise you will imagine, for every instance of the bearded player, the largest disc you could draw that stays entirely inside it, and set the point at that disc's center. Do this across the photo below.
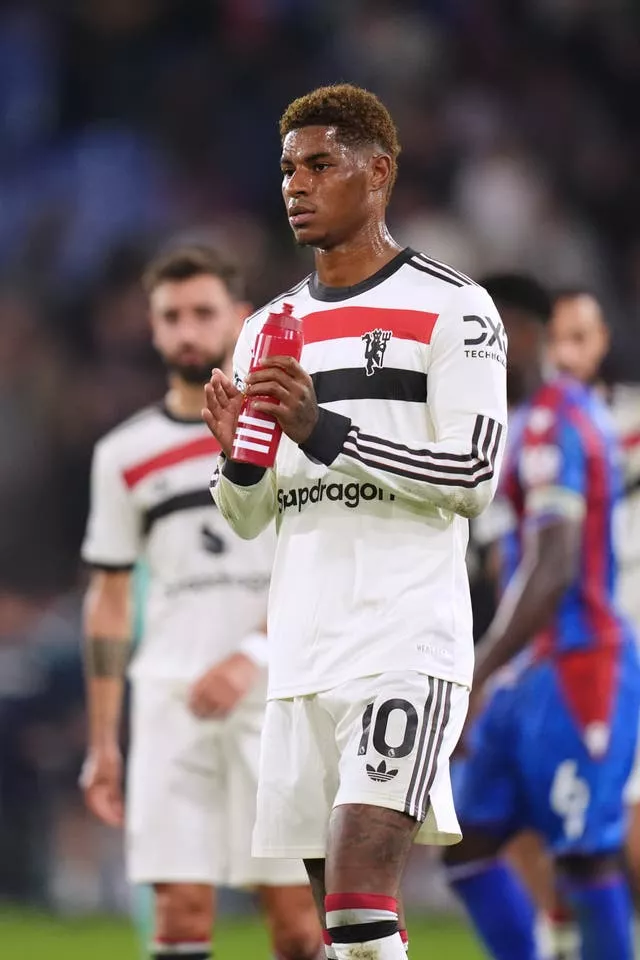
(394, 426)
(199, 676)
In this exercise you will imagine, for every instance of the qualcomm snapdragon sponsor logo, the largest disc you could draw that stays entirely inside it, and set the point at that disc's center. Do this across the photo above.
(350, 494)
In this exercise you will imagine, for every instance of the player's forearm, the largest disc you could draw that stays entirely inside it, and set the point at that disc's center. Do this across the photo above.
(459, 475)
(245, 496)
(527, 608)
(107, 646)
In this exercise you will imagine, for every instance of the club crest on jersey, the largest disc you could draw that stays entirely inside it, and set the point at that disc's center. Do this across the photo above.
(375, 345)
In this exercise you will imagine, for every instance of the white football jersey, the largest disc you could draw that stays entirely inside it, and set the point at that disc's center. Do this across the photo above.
(625, 406)
(409, 369)
(150, 501)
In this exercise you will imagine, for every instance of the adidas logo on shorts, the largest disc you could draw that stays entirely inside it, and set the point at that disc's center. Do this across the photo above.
(381, 774)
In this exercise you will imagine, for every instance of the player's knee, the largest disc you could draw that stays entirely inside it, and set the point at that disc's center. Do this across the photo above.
(295, 929)
(297, 939)
(183, 912)
(591, 868)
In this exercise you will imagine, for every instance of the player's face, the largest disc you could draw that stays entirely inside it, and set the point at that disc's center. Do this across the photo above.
(330, 190)
(579, 339)
(195, 324)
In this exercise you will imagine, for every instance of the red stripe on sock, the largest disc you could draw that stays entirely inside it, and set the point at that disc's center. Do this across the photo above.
(326, 936)
(404, 936)
(355, 901)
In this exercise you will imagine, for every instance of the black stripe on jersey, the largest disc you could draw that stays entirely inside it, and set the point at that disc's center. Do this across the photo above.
(445, 268)
(183, 501)
(352, 383)
(437, 710)
(110, 567)
(433, 273)
(446, 469)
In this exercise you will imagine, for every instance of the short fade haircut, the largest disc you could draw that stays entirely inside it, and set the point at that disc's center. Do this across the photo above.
(195, 260)
(519, 291)
(359, 117)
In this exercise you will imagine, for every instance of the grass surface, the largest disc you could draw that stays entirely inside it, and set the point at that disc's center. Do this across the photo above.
(29, 936)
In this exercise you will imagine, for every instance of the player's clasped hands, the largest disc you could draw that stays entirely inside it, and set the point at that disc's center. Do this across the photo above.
(221, 688)
(294, 402)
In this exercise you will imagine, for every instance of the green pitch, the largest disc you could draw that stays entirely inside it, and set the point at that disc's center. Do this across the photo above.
(26, 936)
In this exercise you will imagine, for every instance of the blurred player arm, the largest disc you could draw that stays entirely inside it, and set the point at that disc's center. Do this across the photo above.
(467, 404)
(221, 688)
(111, 547)
(552, 474)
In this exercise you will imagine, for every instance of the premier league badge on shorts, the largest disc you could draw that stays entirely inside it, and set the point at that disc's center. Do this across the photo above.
(375, 345)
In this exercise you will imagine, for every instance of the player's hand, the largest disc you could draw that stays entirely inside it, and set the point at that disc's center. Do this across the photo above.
(296, 409)
(222, 687)
(101, 783)
(223, 402)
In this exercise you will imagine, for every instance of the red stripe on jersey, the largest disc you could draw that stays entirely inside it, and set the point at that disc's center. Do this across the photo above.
(201, 447)
(606, 628)
(631, 440)
(589, 680)
(354, 321)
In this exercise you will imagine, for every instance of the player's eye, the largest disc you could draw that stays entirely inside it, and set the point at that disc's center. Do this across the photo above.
(320, 167)
(287, 171)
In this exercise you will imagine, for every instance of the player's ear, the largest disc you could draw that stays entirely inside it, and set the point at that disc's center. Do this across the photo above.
(380, 166)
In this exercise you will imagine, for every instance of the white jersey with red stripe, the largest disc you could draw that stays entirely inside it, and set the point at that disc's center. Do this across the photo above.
(150, 501)
(409, 369)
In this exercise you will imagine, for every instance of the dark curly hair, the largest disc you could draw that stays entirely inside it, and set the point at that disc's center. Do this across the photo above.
(357, 114)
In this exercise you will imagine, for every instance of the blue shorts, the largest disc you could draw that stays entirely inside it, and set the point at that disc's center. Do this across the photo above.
(528, 766)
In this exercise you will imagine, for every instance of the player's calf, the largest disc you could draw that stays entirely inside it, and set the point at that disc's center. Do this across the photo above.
(183, 921)
(367, 850)
(596, 890)
(293, 922)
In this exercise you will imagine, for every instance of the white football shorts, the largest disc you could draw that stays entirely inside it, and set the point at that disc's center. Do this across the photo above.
(191, 794)
(384, 740)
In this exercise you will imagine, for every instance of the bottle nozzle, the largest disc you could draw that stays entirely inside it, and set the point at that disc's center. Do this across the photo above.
(287, 308)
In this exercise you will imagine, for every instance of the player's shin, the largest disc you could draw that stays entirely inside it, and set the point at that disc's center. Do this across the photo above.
(364, 921)
(604, 913)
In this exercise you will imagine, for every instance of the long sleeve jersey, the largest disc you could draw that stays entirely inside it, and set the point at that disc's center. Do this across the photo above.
(409, 370)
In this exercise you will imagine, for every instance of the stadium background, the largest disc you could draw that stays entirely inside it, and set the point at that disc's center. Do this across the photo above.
(125, 122)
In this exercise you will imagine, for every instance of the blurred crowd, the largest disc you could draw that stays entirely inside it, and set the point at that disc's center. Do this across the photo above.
(126, 122)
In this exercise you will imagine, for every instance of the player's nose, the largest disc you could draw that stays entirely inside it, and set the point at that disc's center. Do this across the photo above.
(298, 184)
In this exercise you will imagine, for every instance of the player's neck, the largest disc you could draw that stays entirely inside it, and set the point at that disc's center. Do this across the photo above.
(185, 400)
(358, 258)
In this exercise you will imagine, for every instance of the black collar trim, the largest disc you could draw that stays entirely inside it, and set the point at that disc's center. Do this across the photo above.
(319, 291)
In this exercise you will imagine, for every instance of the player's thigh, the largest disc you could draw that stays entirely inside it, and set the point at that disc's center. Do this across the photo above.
(632, 850)
(184, 912)
(242, 746)
(175, 827)
(395, 734)
(576, 794)
(297, 782)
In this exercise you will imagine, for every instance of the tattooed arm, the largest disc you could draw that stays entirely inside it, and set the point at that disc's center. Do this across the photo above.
(108, 623)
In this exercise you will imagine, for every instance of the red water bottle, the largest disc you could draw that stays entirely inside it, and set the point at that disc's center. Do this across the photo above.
(258, 434)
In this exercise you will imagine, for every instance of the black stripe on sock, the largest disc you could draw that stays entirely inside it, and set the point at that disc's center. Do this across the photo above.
(364, 932)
